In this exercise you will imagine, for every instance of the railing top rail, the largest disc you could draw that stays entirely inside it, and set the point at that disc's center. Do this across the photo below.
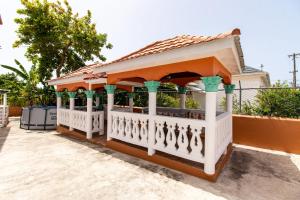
(223, 116)
(194, 122)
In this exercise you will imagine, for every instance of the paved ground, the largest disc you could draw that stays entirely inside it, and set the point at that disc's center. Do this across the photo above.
(45, 165)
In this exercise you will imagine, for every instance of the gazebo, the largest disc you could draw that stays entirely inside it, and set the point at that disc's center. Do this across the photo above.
(3, 108)
(171, 131)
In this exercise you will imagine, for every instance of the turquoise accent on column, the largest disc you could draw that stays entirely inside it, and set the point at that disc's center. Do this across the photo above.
(89, 93)
(229, 88)
(181, 90)
(211, 83)
(59, 94)
(72, 94)
(110, 89)
(130, 95)
(152, 85)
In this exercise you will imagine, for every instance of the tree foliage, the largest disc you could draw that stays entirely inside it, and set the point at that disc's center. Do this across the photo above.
(57, 40)
(278, 101)
(281, 101)
(10, 82)
(27, 90)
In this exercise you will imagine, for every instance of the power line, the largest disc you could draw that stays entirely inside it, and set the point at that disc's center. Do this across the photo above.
(294, 72)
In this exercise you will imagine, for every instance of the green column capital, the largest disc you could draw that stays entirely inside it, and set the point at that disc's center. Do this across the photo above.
(110, 89)
(152, 85)
(72, 94)
(89, 93)
(211, 83)
(229, 88)
(182, 90)
(130, 95)
(58, 94)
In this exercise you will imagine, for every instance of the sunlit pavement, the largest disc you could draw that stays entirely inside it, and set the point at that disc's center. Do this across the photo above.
(46, 165)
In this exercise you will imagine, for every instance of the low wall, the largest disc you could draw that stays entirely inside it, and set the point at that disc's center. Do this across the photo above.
(15, 111)
(280, 134)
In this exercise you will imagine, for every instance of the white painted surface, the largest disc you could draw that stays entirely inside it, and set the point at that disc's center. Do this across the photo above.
(110, 104)
(152, 114)
(72, 105)
(58, 104)
(210, 133)
(89, 109)
(182, 99)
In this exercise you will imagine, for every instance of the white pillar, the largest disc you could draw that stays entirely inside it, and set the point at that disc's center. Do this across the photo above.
(182, 100)
(58, 106)
(4, 115)
(97, 101)
(130, 98)
(110, 89)
(229, 90)
(211, 88)
(182, 96)
(89, 109)
(72, 106)
(152, 90)
(229, 102)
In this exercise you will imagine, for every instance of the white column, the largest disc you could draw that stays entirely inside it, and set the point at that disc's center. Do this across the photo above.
(182, 96)
(152, 90)
(89, 110)
(182, 100)
(97, 100)
(229, 90)
(58, 106)
(4, 115)
(110, 89)
(211, 88)
(130, 96)
(72, 106)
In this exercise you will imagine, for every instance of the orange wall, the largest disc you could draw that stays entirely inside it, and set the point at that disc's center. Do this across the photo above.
(270, 133)
(14, 111)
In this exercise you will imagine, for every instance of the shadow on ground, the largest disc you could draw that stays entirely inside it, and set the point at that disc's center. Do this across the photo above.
(249, 174)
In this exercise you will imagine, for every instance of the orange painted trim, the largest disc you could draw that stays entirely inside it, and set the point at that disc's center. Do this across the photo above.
(204, 67)
(281, 134)
(72, 87)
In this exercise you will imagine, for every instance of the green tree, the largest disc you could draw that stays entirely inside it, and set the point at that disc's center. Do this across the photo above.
(280, 101)
(30, 78)
(57, 40)
(10, 82)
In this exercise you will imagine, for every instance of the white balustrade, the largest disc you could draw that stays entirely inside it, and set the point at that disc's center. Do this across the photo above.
(79, 120)
(180, 137)
(176, 136)
(129, 127)
(64, 116)
(3, 115)
(223, 133)
(98, 122)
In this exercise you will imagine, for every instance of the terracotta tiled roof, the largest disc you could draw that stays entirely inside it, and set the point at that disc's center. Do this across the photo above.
(154, 48)
(174, 43)
(92, 76)
(83, 70)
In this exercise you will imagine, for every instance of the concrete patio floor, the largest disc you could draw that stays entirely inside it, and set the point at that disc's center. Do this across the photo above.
(47, 165)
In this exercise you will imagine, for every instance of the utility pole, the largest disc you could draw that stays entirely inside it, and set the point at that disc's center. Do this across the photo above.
(294, 72)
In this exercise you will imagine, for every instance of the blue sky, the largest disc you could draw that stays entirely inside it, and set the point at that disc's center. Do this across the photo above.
(270, 29)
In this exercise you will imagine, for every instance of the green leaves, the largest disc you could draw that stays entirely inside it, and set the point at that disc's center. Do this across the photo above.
(58, 40)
